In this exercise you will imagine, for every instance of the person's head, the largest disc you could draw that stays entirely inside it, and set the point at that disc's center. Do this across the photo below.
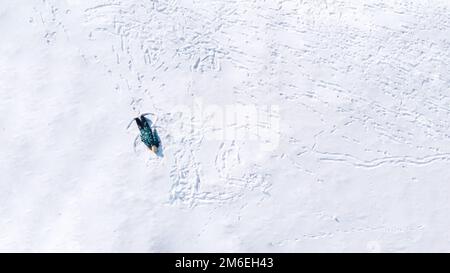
(154, 149)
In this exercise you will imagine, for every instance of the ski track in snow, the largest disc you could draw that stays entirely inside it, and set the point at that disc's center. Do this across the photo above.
(363, 89)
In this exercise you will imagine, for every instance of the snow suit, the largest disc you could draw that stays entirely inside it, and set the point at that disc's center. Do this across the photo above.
(149, 137)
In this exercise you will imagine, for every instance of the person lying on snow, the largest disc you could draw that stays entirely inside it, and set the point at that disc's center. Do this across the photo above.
(149, 137)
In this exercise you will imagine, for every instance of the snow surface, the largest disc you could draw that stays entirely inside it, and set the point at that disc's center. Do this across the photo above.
(349, 150)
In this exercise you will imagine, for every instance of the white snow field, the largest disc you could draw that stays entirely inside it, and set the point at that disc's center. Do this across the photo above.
(286, 126)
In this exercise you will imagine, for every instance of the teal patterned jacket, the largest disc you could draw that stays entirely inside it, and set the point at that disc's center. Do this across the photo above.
(148, 137)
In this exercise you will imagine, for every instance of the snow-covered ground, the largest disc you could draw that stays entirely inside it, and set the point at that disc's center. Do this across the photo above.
(291, 125)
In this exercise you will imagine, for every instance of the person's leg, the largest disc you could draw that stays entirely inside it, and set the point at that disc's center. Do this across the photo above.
(139, 123)
(144, 122)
